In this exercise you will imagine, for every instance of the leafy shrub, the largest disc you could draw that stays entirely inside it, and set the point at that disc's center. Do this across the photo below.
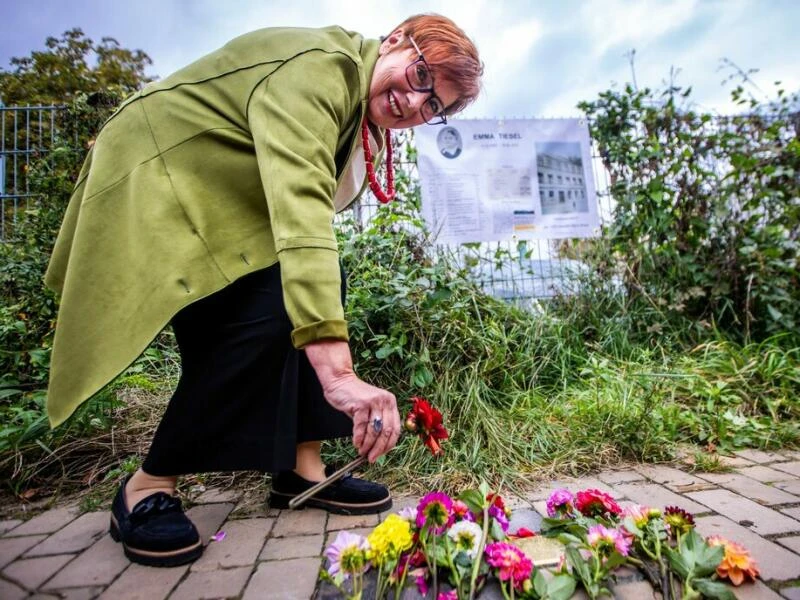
(706, 220)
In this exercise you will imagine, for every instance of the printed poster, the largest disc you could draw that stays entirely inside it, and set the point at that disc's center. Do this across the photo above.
(495, 180)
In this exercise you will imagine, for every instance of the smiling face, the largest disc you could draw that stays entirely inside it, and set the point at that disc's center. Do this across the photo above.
(393, 103)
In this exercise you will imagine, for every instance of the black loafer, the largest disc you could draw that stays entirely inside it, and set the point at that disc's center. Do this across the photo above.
(347, 496)
(156, 532)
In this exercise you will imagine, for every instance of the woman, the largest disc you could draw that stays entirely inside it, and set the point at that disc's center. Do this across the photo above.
(207, 201)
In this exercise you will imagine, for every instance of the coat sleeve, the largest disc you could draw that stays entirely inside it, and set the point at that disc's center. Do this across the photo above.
(296, 116)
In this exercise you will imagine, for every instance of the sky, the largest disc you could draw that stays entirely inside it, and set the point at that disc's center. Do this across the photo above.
(541, 57)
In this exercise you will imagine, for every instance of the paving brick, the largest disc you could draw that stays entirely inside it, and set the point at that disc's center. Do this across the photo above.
(336, 522)
(223, 583)
(300, 522)
(293, 579)
(792, 486)
(752, 489)
(583, 483)
(754, 591)
(789, 467)
(670, 477)
(99, 565)
(11, 548)
(398, 504)
(792, 512)
(76, 536)
(82, 593)
(216, 495)
(208, 518)
(657, 496)
(759, 456)
(47, 522)
(765, 474)
(792, 593)
(626, 476)
(793, 543)
(636, 590)
(8, 525)
(791, 454)
(774, 562)
(525, 517)
(301, 546)
(243, 541)
(734, 461)
(33, 572)
(11, 591)
(138, 582)
(765, 521)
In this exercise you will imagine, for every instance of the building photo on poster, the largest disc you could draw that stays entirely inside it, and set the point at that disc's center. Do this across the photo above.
(494, 180)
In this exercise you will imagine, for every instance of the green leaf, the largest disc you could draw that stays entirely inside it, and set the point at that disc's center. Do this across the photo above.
(473, 499)
(561, 587)
(614, 561)
(540, 585)
(708, 559)
(678, 563)
(713, 589)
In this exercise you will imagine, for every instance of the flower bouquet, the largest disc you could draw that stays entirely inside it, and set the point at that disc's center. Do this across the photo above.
(454, 546)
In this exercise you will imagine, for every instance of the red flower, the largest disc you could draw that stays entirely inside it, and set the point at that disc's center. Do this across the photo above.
(522, 532)
(426, 421)
(594, 503)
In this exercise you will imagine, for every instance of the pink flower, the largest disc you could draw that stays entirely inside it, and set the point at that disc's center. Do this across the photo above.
(347, 555)
(606, 540)
(594, 503)
(461, 511)
(511, 562)
(451, 595)
(561, 503)
(639, 514)
(436, 511)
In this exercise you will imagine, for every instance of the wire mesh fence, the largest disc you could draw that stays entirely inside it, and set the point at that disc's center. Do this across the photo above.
(26, 132)
(514, 270)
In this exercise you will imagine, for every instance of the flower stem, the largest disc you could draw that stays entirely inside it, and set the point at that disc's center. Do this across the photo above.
(479, 554)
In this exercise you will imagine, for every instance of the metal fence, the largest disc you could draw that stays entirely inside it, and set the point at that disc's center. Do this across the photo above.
(25, 133)
(519, 271)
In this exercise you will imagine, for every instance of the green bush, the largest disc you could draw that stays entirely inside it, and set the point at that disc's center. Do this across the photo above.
(706, 218)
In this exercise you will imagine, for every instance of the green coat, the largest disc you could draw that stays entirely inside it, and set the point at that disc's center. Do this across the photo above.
(228, 166)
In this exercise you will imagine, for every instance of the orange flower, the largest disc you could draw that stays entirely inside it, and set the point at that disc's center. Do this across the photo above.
(737, 564)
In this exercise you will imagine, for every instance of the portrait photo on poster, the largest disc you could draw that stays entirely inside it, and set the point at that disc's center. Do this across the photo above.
(449, 142)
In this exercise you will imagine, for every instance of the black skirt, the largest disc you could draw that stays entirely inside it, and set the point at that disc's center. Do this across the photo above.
(246, 397)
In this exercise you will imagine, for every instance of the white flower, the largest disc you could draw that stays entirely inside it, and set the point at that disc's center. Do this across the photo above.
(467, 537)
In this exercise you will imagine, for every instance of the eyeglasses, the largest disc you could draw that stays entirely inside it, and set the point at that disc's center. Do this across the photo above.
(420, 79)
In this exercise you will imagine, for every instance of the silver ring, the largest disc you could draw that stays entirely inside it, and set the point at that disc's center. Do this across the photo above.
(377, 424)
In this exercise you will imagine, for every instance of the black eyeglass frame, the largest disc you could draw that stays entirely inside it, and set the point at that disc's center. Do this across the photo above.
(438, 118)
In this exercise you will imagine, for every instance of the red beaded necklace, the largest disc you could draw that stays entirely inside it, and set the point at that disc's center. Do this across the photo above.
(389, 194)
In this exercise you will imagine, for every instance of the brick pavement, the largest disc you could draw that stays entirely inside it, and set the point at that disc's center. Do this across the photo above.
(277, 554)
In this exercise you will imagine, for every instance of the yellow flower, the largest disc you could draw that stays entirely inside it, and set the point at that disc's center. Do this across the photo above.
(737, 564)
(389, 539)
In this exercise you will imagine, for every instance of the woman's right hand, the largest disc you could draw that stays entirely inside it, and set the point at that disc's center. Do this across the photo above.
(356, 398)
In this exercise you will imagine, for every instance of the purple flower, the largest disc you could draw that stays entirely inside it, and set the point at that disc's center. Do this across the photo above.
(561, 503)
(606, 540)
(436, 511)
(347, 555)
(499, 515)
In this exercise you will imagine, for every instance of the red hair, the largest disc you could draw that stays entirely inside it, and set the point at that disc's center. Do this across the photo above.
(450, 54)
